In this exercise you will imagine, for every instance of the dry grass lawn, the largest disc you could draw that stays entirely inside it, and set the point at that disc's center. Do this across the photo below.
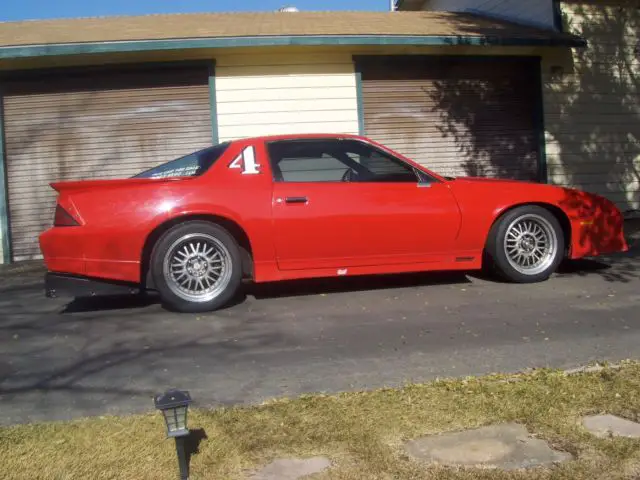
(361, 432)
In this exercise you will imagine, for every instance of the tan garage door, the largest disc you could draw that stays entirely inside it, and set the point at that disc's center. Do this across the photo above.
(456, 116)
(86, 125)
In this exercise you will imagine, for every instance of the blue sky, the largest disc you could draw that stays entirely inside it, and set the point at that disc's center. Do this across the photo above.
(12, 10)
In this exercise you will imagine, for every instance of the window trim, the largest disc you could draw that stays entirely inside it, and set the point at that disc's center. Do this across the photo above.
(422, 178)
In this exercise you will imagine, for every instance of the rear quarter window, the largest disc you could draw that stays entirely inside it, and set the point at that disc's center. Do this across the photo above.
(191, 165)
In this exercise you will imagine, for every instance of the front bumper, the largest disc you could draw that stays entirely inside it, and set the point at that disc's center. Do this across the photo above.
(594, 237)
(61, 284)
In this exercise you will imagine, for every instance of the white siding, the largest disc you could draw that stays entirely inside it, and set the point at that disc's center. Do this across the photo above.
(592, 113)
(288, 93)
(535, 12)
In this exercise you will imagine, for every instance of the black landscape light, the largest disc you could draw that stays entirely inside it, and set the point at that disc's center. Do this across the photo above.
(174, 405)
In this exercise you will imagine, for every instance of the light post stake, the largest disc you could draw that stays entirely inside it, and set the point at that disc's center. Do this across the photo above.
(182, 459)
(174, 405)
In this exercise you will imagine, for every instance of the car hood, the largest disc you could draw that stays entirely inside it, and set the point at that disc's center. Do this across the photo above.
(573, 201)
(501, 181)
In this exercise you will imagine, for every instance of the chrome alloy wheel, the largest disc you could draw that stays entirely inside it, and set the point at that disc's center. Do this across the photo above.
(530, 244)
(197, 267)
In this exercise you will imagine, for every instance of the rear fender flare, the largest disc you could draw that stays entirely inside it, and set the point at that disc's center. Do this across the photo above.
(163, 223)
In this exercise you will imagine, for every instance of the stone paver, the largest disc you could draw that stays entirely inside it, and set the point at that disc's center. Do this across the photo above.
(506, 446)
(292, 468)
(605, 425)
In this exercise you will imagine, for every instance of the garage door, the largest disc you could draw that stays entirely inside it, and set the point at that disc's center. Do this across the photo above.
(456, 116)
(94, 126)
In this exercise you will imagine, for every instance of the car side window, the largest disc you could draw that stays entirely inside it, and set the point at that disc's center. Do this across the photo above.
(335, 161)
(298, 165)
(377, 165)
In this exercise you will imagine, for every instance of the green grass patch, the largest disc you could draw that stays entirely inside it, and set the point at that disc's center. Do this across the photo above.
(361, 432)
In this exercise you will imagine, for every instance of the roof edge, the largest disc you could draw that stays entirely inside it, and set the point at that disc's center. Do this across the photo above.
(62, 49)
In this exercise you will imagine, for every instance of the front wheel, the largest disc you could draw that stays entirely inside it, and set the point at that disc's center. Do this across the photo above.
(196, 267)
(526, 245)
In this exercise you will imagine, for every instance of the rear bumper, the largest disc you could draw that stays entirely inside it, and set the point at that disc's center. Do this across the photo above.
(61, 284)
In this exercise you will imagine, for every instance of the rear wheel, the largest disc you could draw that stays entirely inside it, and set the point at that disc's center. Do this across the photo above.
(196, 267)
(526, 245)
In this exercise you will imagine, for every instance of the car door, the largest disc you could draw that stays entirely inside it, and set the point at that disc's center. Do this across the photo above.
(340, 203)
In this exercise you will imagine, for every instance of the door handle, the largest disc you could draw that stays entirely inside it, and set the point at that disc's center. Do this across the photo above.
(292, 200)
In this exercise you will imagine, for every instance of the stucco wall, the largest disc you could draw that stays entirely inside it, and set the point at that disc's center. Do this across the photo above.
(285, 93)
(537, 12)
(592, 113)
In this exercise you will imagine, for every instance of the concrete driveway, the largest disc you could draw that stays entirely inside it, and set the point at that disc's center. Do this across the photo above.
(62, 359)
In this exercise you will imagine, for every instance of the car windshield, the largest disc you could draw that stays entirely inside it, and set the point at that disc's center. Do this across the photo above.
(191, 165)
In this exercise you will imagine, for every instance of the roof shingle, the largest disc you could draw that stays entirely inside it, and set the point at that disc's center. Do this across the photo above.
(269, 24)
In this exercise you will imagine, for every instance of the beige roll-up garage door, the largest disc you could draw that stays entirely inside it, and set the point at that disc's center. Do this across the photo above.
(90, 125)
(455, 115)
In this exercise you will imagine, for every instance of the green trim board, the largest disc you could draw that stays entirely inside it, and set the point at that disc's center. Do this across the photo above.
(26, 74)
(4, 192)
(558, 22)
(271, 41)
(389, 59)
(543, 174)
(359, 99)
(213, 103)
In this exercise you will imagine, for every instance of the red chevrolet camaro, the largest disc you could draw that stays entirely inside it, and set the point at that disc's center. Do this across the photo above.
(301, 206)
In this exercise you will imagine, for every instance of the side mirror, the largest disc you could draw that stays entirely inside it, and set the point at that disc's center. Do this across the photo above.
(423, 180)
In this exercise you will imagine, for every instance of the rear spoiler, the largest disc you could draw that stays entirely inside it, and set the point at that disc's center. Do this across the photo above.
(78, 185)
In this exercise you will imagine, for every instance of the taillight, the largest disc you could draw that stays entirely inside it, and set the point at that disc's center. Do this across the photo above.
(63, 218)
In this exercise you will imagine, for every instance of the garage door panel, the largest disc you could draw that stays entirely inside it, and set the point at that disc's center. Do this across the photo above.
(392, 122)
(89, 127)
(105, 143)
(116, 97)
(96, 160)
(159, 115)
(455, 116)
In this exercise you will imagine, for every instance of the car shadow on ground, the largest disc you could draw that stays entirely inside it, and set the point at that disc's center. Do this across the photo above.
(622, 268)
(110, 302)
(284, 289)
(316, 286)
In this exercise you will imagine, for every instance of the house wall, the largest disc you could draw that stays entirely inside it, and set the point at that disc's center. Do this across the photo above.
(592, 114)
(263, 91)
(591, 111)
(535, 12)
(285, 93)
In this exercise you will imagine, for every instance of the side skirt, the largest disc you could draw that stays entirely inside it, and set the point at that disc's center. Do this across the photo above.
(59, 284)
(269, 272)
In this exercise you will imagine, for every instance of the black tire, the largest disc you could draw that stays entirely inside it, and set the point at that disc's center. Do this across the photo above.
(496, 251)
(170, 293)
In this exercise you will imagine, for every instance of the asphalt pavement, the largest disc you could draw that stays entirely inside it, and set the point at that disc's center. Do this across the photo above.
(64, 358)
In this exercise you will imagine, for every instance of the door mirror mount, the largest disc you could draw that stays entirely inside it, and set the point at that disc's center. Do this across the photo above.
(423, 180)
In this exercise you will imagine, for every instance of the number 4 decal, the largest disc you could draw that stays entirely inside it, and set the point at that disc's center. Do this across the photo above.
(246, 161)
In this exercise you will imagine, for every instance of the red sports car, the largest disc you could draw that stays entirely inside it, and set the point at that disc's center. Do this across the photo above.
(301, 206)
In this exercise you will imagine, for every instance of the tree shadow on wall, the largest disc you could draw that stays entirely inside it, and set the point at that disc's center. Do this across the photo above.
(593, 113)
(592, 118)
(487, 131)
